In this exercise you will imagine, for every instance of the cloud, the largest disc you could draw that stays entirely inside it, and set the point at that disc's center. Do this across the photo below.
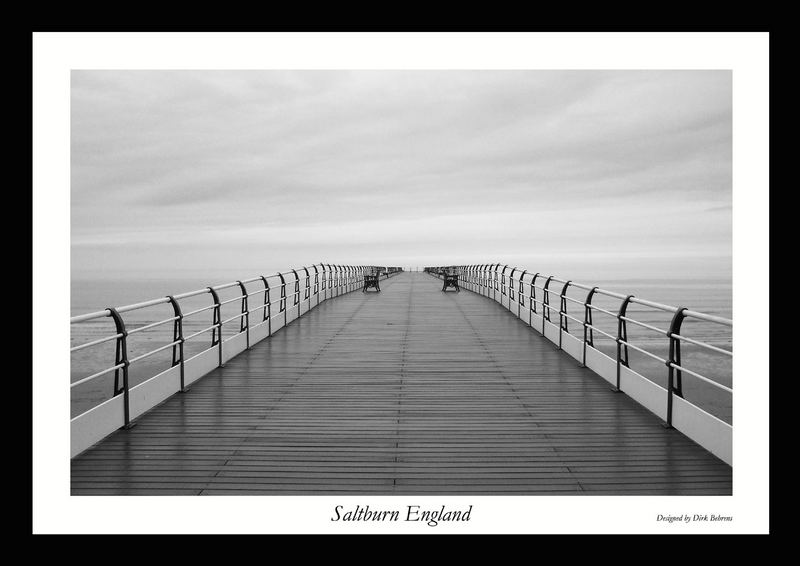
(404, 163)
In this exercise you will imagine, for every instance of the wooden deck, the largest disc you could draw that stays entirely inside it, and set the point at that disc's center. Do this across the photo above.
(406, 391)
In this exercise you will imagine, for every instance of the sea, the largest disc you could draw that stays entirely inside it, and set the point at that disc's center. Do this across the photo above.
(709, 295)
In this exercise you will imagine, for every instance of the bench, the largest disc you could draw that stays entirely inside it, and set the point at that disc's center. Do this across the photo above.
(371, 281)
(450, 279)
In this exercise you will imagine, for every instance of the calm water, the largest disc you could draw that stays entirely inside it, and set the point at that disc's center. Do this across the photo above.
(708, 296)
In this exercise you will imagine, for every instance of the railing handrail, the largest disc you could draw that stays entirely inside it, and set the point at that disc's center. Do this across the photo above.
(660, 306)
(250, 328)
(484, 276)
(338, 275)
(164, 300)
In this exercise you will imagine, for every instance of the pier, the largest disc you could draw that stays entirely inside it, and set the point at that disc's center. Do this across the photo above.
(408, 391)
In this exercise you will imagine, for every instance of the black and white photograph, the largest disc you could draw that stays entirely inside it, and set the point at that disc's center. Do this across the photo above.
(373, 287)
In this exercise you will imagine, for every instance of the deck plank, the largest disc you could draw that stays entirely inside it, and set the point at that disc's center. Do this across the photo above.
(407, 391)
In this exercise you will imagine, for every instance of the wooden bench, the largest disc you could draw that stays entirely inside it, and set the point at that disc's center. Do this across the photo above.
(371, 281)
(450, 279)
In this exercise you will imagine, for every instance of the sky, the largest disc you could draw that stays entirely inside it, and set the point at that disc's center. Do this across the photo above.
(582, 174)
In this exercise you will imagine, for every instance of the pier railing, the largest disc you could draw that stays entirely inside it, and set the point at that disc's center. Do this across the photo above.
(266, 304)
(543, 302)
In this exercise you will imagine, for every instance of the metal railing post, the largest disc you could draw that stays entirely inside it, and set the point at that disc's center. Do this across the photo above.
(588, 334)
(511, 287)
(622, 338)
(503, 283)
(217, 322)
(122, 358)
(546, 301)
(494, 295)
(267, 306)
(521, 294)
(282, 304)
(177, 336)
(316, 283)
(674, 359)
(296, 300)
(244, 320)
(532, 299)
(563, 321)
(308, 288)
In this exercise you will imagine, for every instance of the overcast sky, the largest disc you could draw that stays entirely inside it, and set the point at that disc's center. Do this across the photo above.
(585, 174)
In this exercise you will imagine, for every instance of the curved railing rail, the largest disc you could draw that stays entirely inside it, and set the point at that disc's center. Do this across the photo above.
(534, 295)
(284, 297)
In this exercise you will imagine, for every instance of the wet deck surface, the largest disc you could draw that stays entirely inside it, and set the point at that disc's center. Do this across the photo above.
(407, 391)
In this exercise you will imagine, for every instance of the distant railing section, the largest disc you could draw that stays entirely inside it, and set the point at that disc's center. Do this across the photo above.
(537, 294)
(380, 270)
(439, 271)
(285, 295)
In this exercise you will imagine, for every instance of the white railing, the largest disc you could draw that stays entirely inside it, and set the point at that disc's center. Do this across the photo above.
(519, 295)
(279, 298)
